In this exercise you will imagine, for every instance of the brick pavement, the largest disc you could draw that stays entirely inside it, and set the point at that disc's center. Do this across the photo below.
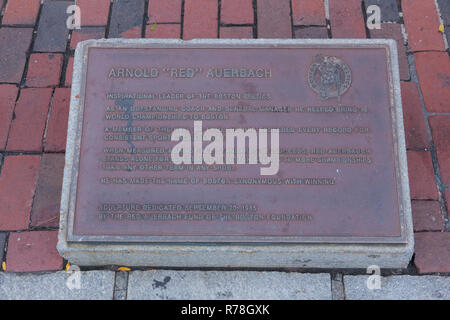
(36, 61)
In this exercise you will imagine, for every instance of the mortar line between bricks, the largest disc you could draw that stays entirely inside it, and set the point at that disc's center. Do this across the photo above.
(423, 231)
(145, 19)
(438, 114)
(292, 19)
(326, 5)
(6, 82)
(437, 175)
(236, 25)
(255, 19)
(420, 51)
(219, 9)
(65, 63)
(364, 14)
(19, 90)
(108, 23)
(418, 149)
(33, 229)
(309, 26)
(46, 122)
(17, 26)
(2, 11)
(400, 9)
(66, 57)
(49, 110)
(2, 160)
(45, 87)
(182, 19)
(29, 153)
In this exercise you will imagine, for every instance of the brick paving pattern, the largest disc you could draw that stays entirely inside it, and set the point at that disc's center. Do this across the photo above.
(36, 61)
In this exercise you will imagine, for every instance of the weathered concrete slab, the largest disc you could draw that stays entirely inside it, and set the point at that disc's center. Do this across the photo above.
(399, 288)
(94, 285)
(224, 285)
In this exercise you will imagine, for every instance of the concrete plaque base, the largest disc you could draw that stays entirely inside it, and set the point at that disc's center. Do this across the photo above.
(357, 215)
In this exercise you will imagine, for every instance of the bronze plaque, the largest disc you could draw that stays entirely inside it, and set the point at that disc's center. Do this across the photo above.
(337, 177)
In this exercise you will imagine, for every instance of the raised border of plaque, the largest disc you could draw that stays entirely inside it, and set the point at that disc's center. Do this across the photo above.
(237, 254)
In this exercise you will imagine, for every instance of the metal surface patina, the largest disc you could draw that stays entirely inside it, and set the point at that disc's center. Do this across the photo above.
(341, 172)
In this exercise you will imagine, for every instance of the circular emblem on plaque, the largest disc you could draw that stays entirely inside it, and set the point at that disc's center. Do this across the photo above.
(329, 77)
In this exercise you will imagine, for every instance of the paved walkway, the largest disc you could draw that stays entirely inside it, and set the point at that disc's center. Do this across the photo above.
(36, 60)
(224, 285)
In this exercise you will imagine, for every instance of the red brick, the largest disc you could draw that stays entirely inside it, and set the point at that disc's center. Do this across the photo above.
(421, 175)
(55, 138)
(44, 69)
(308, 13)
(161, 31)
(52, 32)
(200, 19)
(45, 211)
(394, 31)
(427, 216)
(311, 33)
(415, 127)
(164, 11)
(422, 23)
(17, 183)
(346, 19)
(274, 19)
(236, 32)
(8, 94)
(432, 252)
(86, 33)
(94, 13)
(14, 43)
(21, 12)
(27, 128)
(236, 12)
(132, 33)
(440, 130)
(69, 72)
(433, 69)
(33, 251)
